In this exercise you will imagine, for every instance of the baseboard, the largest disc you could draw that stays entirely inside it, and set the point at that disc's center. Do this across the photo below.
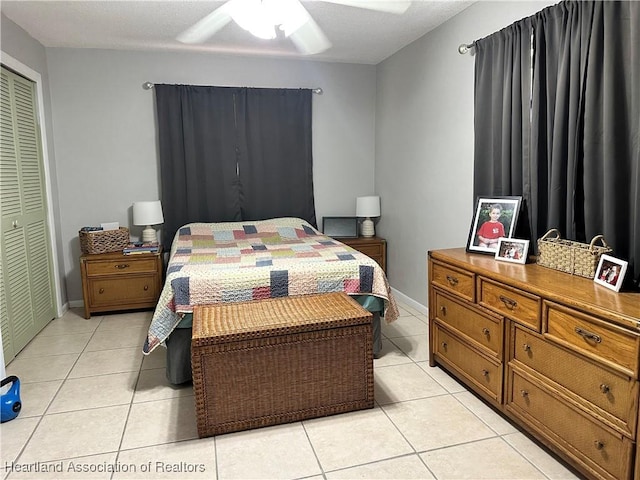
(76, 304)
(401, 297)
(65, 308)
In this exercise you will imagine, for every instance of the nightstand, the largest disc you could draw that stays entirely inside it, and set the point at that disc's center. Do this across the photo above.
(374, 247)
(113, 281)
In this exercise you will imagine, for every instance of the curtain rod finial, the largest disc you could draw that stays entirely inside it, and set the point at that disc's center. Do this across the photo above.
(464, 48)
(147, 85)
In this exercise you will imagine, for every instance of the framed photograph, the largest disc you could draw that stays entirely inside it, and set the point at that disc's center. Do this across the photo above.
(494, 217)
(610, 272)
(512, 250)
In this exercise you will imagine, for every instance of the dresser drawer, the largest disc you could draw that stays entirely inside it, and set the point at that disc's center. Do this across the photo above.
(484, 329)
(124, 266)
(517, 305)
(615, 394)
(595, 338)
(583, 437)
(126, 290)
(484, 373)
(453, 280)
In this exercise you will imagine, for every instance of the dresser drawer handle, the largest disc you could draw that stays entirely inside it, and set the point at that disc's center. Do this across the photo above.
(598, 444)
(486, 331)
(444, 345)
(604, 388)
(485, 373)
(588, 335)
(443, 309)
(510, 304)
(453, 281)
(526, 347)
(122, 266)
(101, 290)
(146, 287)
(524, 393)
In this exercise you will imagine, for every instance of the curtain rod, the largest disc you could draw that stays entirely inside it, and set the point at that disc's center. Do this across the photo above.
(464, 48)
(149, 86)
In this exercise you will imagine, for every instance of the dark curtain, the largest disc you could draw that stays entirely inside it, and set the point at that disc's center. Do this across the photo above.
(585, 125)
(276, 168)
(197, 152)
(501, 123)
(225, 156)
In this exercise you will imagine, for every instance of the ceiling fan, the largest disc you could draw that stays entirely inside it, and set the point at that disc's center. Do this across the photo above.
(263, 18)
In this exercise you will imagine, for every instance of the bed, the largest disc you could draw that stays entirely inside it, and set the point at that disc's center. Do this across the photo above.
(243, 261)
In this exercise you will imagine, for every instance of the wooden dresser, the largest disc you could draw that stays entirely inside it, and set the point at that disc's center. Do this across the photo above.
(374, 247)
(557, 354)
(113, 281)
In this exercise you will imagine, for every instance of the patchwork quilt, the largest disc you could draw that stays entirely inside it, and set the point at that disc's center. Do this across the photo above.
(241, 261)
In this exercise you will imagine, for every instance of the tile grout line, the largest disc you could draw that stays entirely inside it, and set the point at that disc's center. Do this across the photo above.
(315, 454)
(126, 420)
(41, 417)
(415, 452)
(416, 363)
(67, 378)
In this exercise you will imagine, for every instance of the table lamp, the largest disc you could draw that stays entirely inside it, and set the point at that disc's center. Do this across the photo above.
(368, 207)
(147, 214)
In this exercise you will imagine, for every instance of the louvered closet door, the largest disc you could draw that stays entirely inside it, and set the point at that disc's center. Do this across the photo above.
(27, 299)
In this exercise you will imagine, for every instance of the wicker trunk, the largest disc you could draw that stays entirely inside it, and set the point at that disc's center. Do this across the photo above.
(280, 360)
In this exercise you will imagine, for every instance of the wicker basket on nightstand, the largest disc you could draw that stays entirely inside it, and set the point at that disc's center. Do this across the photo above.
(103, 241)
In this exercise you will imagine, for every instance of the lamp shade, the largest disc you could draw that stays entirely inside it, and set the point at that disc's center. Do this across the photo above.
(368, 206)
(147, 213)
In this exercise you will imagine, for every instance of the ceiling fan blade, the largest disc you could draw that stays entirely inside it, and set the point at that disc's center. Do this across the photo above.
(388, 6)
(309, 38)
(208, 26)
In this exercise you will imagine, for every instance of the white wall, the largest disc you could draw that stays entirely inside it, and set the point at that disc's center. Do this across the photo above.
(105, 132)
(424, 141)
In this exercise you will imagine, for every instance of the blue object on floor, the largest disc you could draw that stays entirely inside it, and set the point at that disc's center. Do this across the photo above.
(11, 404)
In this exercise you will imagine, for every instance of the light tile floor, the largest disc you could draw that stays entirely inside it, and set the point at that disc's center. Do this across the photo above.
(95, 407)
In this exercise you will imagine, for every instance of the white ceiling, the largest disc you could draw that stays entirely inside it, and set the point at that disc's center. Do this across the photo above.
(357, 35)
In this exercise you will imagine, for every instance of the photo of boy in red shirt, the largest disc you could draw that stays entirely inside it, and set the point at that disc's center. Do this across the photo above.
(491, 230)
(494, 218)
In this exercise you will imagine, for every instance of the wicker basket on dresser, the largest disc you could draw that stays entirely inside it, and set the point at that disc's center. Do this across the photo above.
(557, 354)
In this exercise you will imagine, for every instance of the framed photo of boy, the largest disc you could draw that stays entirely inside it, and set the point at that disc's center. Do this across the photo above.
(512, 250)
(610, 272)
(494, 217)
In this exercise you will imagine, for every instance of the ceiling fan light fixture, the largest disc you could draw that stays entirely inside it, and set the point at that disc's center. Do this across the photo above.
(262, 17)
(253, 16)
(289, 15)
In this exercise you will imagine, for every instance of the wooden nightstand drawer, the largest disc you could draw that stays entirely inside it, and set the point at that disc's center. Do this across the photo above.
(126, 290)
(486, 374)
(454, 280)
(113, 281)
(124, 266)
(617, 347)
(510, 302)
(595, 446)
(614, 393)
(482, 328)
